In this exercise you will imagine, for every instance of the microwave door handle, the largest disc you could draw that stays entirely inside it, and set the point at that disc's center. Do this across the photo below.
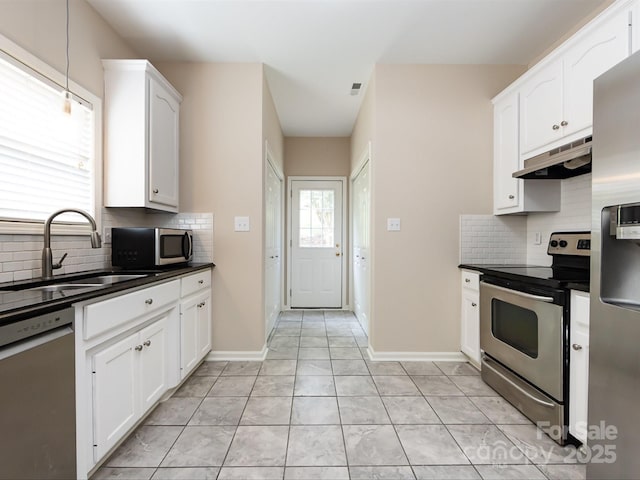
(187, 253)
(522, 294)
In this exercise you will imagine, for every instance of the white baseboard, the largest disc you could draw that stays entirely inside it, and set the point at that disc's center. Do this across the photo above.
(246, 356)
(416, 356)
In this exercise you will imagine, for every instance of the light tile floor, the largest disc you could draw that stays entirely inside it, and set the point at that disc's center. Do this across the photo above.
(316, 408)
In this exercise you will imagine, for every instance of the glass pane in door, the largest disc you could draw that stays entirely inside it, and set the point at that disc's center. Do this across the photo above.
(316, 213)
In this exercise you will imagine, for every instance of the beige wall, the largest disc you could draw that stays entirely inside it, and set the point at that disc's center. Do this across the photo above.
(321, 156)
(226, 115)
(431, 162)
(38, 26)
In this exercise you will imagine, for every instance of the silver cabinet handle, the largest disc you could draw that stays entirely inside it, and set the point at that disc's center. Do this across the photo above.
(521, 294)
(564, 123)
(147, 343)
(556, 127)
(200, 282)
(511, 197)
(155, 190)
(576, 347)
(149, 301)
(474, 304)
(138, 348)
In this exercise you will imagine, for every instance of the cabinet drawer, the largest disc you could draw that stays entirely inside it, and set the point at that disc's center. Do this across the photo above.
(103, 316)
(195, 282)
(471, 280)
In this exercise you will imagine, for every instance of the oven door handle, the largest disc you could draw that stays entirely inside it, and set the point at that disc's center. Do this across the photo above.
(517, 387)
(522, 294)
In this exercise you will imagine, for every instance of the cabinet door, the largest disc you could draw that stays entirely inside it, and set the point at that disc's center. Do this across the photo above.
(204, 325)
(114, 393)
(153, 362)
(579, 365)
(163, 146)
(506, 154)
(188, 336)
(470, 334)
(541, 108)
(589, 58)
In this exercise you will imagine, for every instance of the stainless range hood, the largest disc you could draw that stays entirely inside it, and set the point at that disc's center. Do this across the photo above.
(563, 162)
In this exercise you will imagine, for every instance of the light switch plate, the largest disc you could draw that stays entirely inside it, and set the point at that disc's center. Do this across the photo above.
(393, 224)
(106, 235)
(537, 239)
(241, 224)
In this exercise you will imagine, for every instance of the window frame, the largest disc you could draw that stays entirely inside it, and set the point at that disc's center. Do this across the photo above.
(49, 74)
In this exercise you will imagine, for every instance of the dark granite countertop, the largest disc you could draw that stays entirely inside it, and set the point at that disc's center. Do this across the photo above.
(19, 304)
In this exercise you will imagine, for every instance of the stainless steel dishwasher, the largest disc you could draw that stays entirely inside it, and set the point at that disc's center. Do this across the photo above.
(37, 398)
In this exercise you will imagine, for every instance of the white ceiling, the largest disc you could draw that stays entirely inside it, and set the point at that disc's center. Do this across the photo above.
(315, 49)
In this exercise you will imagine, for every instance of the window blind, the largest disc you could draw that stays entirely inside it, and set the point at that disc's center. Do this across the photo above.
(46, 156)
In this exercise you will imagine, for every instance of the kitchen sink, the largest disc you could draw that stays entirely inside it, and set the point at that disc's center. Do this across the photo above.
(107, 279)
(66, 284)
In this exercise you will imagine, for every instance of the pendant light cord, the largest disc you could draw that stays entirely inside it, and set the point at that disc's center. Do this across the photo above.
(67, 50)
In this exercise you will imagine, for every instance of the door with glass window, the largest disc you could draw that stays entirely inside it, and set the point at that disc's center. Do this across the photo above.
(316, 243)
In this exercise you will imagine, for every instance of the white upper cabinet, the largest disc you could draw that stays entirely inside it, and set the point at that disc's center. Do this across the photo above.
(142, 114)
(586, 60)
(556, 98)
(513, 195)
(541, 108)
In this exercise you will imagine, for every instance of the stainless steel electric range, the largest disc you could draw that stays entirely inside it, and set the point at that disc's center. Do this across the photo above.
(524, 330)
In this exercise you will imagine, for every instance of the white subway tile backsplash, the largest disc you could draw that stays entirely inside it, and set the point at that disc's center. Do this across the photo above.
(20, 254)
(487, 239)
(575, 215)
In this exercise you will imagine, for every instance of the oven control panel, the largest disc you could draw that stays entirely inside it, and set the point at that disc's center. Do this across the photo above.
(570, 243)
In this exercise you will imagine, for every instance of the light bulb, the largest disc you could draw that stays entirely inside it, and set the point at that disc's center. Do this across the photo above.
(66, 107)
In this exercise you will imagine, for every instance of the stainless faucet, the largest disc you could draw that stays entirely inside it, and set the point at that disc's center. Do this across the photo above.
(47, 259)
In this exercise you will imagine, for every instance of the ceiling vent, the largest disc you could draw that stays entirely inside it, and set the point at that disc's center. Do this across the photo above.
(355, 88)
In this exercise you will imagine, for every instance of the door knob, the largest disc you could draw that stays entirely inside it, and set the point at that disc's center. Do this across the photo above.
(149, 301)
(576, 347)
(474, 304)
(511, 197)
(147, 343)
(337, 254)
(155, 190)
(564, 123)
(138, 348)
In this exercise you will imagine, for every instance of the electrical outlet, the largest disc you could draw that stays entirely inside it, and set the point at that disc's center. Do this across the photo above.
(106, 235)
(393, 224)
(537, 238)
(241, 224)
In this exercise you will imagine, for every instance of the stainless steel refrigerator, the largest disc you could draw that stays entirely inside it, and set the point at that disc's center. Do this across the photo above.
(614, 359)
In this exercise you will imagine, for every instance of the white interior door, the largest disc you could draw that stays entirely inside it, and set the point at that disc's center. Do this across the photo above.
(273, 246)
(361, 195)
(316, 243)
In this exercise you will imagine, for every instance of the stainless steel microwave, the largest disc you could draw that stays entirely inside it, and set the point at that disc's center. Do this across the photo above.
(134, 247)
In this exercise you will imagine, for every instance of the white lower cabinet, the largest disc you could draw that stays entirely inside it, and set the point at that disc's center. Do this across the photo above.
(579, 365)
(470, 316)
(195, 321)
(131, 350)
(128, 378)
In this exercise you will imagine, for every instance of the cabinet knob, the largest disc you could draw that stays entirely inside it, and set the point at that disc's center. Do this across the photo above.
(149, 301)
(467, 280)
(564, 123)
(147, 343)
(511, 197)
(474, 304)
(202, 304)
(200, 282)
(576, 347)
(155, 190)
(556, 127)
(138, 348)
